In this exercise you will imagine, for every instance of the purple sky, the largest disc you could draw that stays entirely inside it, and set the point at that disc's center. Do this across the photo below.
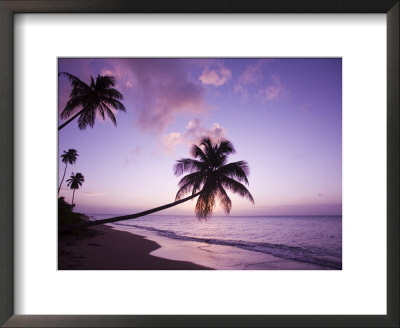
(284, 116)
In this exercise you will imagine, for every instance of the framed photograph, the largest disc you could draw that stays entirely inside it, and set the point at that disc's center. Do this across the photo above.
(206, 164)
(189, 117)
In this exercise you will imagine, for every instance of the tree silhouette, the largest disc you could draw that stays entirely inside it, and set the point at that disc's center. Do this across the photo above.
(87, 100)
(210, 175)
(68, 157)
(74, 182)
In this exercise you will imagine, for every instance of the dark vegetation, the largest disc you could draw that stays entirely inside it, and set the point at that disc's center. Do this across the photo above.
(66, 215)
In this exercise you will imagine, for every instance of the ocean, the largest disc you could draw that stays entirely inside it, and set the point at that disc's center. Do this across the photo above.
(244, 243)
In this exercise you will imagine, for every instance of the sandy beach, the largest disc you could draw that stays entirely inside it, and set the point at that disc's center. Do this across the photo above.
(103, 248)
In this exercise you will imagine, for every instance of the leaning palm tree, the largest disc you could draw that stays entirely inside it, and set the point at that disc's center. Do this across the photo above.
(68, 157)
(75, 182)
(87, 100)
(209, 177)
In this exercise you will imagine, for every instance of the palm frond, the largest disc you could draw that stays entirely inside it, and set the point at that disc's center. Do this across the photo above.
(112, 93)
(236, 188)
(92, 82)
(205, 205)
(114, 103)
(208, 148)
(110, 114)
(239, 170)
(225, 147)
(197, 152)
(187, 165)
(104, 82)
(191, 182)
(101, 110)
(183, 191)
(206, 142)
(72, 106)
(224, 200)
(75, 81)
(86, 118)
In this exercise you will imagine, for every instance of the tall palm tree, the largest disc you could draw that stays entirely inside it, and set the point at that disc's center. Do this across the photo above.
(88, 100)
(68, 157)
(209, 176)
(74, 182)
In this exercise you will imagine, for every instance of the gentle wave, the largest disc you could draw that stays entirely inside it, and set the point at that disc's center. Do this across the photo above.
(278, 250)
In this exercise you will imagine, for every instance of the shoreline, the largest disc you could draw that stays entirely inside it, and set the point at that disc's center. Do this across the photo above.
(104, 248)
(220, 257)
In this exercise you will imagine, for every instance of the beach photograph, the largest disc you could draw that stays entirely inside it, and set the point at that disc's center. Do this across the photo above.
(199, 164)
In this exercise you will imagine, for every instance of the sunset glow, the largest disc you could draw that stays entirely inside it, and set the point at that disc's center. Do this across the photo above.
(284, 117)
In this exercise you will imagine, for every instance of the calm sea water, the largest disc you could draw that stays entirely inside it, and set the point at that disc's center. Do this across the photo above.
(237, 242)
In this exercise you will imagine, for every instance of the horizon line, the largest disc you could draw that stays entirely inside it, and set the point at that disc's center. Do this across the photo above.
(278, 215)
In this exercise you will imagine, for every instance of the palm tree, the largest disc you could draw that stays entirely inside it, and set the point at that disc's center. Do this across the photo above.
(209, 176)
(97, 97)
(68, 157)
(75, 182)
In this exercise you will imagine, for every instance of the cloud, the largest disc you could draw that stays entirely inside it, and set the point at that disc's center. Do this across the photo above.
(124, 79)
(88, 193)
(160, 90)
(107, 72)
(216, 77)
(195, 130)
(170, 141)
(130, 158)
(273, 91)
(156, 90)
(252, 74)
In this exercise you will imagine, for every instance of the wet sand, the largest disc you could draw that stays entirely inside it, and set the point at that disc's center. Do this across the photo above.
(103, 248)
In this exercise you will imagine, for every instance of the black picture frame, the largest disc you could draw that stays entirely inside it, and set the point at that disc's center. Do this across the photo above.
(10, 7)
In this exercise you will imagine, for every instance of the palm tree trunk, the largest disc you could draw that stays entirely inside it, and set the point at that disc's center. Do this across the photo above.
(69, 227)
(73, 195)
(66, 164)
(70, 120)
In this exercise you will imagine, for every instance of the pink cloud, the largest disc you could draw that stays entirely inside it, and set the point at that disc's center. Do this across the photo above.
(170, 141)
(137, 150)
(273, 91)
(216, 77)
(130, 158)
(162, 89)
(91, 194)
(124, 79)
(195, 130)
(252, 74)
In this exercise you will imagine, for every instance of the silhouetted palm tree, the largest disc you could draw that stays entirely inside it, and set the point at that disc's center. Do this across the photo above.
(75, 182)
(97, 97)
(68, 157)
(209, 176)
